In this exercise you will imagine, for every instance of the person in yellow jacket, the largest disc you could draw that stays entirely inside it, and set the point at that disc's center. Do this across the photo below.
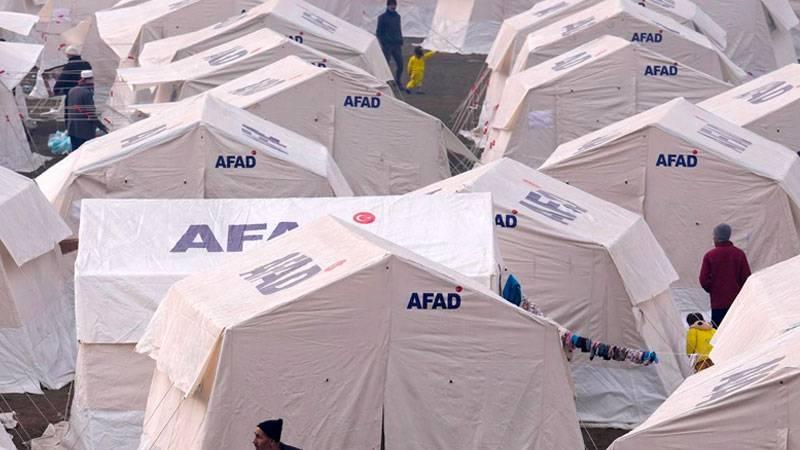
(416, 69)
(698, 340)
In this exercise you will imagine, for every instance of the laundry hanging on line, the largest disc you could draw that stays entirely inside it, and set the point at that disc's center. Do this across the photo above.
(608, 352)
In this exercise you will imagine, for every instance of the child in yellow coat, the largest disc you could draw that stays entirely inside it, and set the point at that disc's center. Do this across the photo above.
(416, 68)
(698, 340)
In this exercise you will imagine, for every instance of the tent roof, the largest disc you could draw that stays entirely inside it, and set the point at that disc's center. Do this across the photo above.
(136, 242)
(766, 308)
(197, 112)
(701, 128)
(17, 22)
(758, 98)
(16, 60)
(305, 17)
(223, 298)
(609, 9)
(586, 219)
(30, 226)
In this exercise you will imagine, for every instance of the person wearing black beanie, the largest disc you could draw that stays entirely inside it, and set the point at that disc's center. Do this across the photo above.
(268, 436)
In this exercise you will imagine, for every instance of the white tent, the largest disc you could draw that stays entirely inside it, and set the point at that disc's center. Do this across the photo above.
(116, 36)
(165, 240)
(16, 61)
(583, 90)
(37, 325)
(769, 106)
(416, 15)
(628, 20)
(759, 37)
(215, 66)
(765, 308)
(18, 23)
(509, 41)
(686, 170)
(368, 334)
(749, 402)
(20, 6)
(208, 150)
(470, 26)
(796, 30)
(297, 19)
(596, 269)
(382, 144)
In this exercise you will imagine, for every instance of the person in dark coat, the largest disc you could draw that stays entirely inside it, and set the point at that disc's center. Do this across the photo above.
(724, 271)
(268, 436)
(390, 36)
(71, 72)
(80, 112)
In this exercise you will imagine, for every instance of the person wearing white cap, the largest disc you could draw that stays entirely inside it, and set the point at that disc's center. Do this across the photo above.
(80, 112)
(71, 72)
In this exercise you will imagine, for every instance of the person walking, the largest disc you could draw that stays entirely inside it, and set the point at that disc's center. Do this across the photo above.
(416, 69)
(390, 36)
(80, 112)
(698, 340)
(71, 72)
(723, 273)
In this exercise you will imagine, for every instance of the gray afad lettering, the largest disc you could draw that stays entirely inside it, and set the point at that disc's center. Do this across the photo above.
(256, 87)
(547, 11)
(767, 92)
(226, 56)
(739, 380)
(127, 142)
(666, 4)
(269, 141)
(282, 273)
(547, 208)
(571, 61)
(726, 138)
(580, 25)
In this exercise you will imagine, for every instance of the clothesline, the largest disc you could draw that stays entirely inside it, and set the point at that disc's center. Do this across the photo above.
(608, 352)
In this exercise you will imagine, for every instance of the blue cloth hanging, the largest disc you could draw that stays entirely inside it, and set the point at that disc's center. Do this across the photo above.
(512, 291)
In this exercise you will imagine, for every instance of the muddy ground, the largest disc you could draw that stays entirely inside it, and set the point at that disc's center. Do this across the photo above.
(448, 80)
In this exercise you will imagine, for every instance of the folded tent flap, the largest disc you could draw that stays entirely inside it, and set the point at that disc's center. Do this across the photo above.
(782, 14)
(17, 22)
(16, 60)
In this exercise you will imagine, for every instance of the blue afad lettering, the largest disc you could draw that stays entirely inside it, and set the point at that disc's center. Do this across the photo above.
(661, 71)
(431, 300)
(552, 206)
(359, 101)
(647, 37)
(235, 162)
(282, 273)
(507, 221)
(671, 160)
(202, 237)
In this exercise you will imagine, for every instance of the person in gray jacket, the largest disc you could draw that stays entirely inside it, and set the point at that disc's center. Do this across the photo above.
(80, 112)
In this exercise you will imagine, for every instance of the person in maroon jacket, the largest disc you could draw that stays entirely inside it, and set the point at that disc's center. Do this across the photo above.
(724, 271)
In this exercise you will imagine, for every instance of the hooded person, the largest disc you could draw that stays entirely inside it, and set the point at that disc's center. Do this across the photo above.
(71, 72)
(390, 35)
(698, 340)
(80, 113)
(723, 273)
(268, 436)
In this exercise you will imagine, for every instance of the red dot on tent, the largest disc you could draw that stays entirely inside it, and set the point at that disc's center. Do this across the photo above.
(694, 152)
(459, 289)
(253, 152)
(378, 94)
(514, 211)
(301, 33)
(364, 218)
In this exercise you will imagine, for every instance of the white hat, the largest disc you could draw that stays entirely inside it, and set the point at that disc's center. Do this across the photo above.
(86, 74)
(72, 51)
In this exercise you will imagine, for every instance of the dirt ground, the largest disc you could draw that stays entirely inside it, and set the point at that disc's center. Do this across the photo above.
(448, 80)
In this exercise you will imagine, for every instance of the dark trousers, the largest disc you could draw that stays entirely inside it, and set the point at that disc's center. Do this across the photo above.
(717, 315)
(76, 142)
(394, 52)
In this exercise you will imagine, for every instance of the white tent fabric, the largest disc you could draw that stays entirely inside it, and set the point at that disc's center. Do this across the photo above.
(416, 15)
(218, 65)
(359, 126)
(37, 336)
(628, 20)
(20, 6)
(116, 36)
(796, 30)
(509, 41)
(17, 22)
(765, 309)
(751, 398)
(686, 170)
(448, 360)
(596, 269)
(470, 26)
(583, 90)
(759, 37)
(769, 106)
(297, 19)
(16, 61)
(206, 150)
(162, 242)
